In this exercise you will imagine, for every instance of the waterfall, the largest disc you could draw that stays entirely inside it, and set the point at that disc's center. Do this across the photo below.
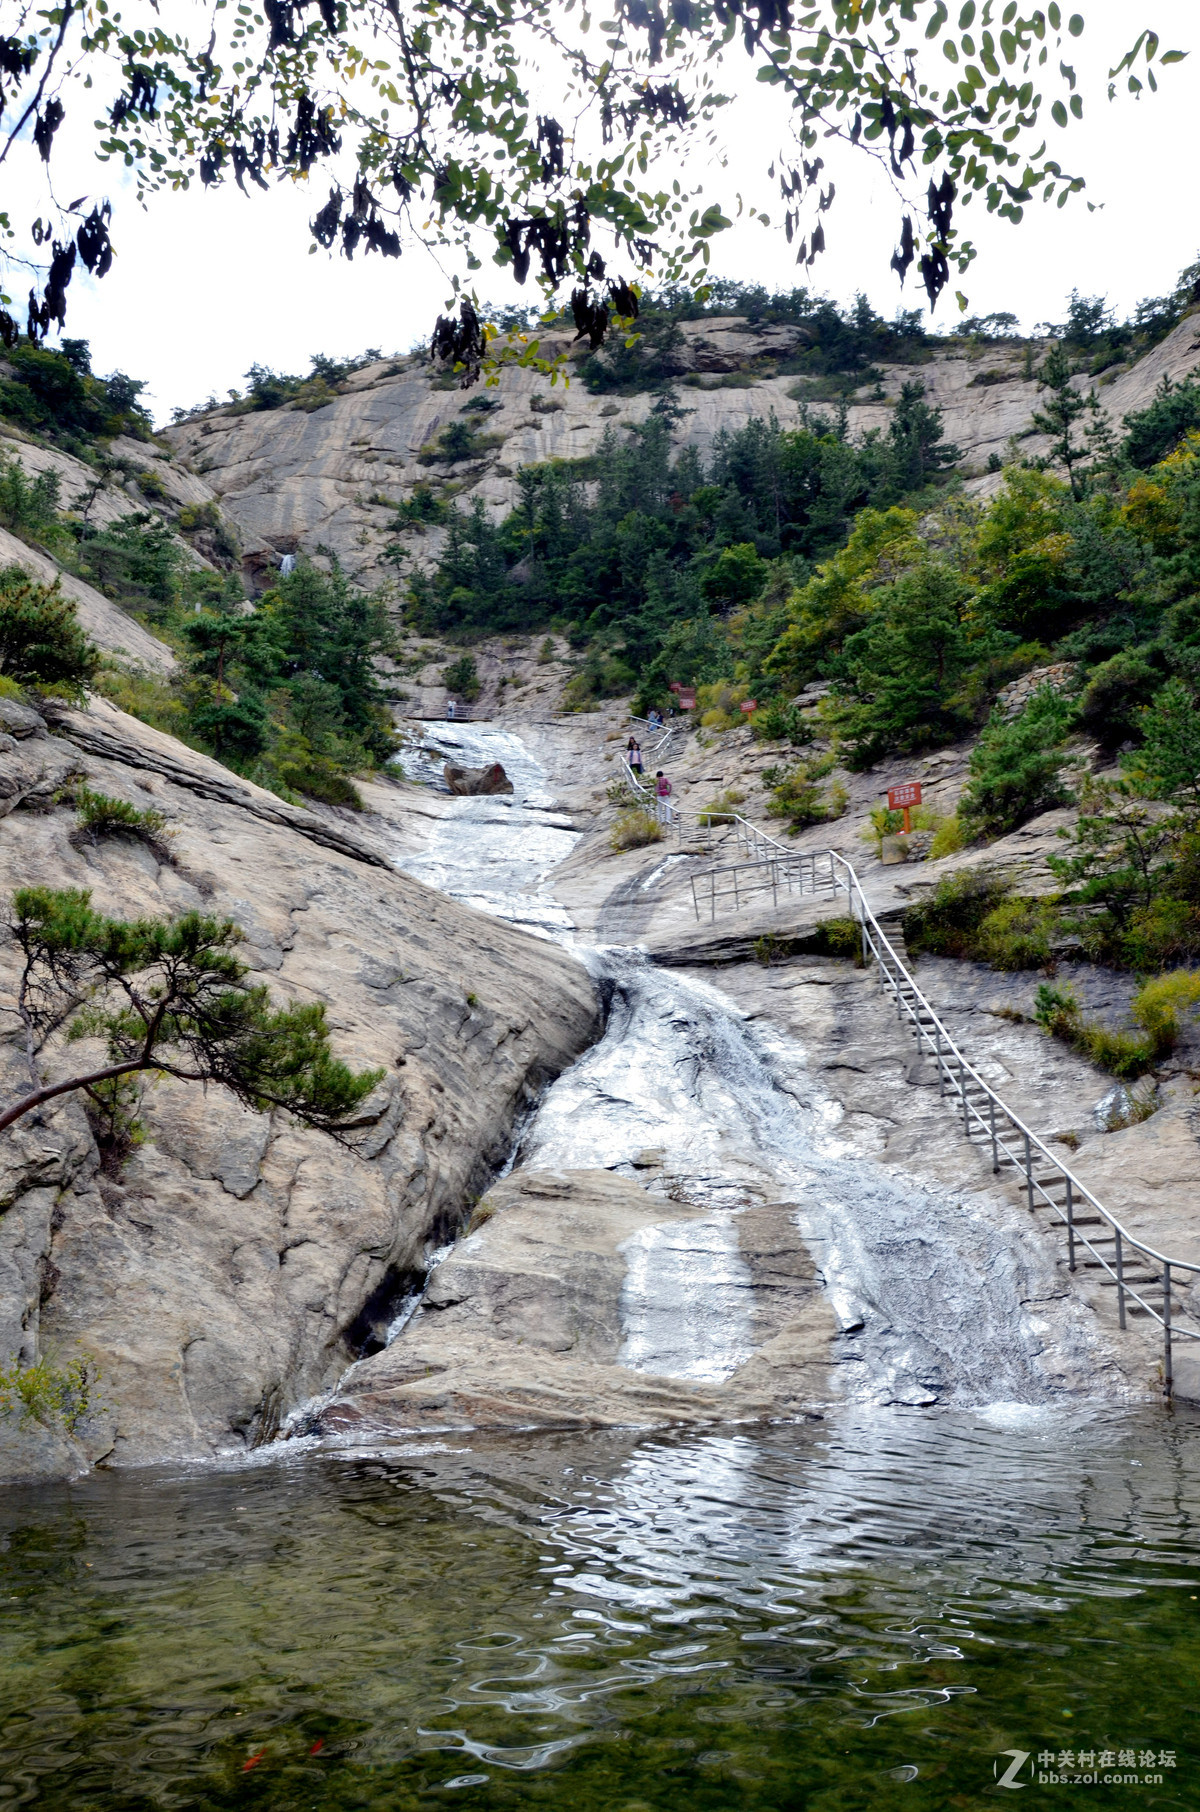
(935, 1300)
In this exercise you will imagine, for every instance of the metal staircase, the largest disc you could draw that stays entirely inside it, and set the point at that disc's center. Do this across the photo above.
(1146, 1281)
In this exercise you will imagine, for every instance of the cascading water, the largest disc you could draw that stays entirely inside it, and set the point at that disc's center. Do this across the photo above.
(934, 1303)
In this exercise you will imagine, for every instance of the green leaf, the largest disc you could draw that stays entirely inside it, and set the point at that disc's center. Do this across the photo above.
(1075, 25)
(1060, 113)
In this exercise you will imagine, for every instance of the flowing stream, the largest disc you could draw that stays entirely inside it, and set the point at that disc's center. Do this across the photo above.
(934, 1302)
(896, 1607)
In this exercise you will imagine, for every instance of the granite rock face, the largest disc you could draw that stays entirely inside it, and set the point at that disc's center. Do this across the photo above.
(469, 782)
(528, 1322)
(290, 479)
(238, 1261)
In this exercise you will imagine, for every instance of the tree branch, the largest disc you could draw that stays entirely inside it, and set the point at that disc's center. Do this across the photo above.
(53, 1089)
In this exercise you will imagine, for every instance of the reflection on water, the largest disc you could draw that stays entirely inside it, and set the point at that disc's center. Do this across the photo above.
(867, 1614)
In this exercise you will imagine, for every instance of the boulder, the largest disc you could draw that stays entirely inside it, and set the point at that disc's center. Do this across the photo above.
(464, 781)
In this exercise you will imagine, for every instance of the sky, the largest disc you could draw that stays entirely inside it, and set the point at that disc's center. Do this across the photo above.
(206, 284)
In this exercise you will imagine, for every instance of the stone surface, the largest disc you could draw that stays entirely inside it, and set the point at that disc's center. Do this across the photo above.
(290, 479)
(468, 782)
(526, 1324)
(237, 1262)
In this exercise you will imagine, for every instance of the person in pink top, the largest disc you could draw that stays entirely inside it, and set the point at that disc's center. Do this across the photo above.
(663, 790)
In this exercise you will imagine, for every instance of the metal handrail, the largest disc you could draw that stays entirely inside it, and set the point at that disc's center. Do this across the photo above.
(988, 1112)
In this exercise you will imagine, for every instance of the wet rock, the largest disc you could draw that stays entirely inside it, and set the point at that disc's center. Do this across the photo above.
(217, 1275)
(568, 1306)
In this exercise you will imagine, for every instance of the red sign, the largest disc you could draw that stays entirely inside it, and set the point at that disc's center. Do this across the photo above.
(900, 797)
(674, 686)
(687, 698)
(748, 704)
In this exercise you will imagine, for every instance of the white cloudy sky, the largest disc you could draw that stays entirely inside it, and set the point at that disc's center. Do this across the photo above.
(206, 284)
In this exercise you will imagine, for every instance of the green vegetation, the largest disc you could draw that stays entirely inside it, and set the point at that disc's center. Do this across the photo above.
(29, 506)
(1016, 766)
(51, 1394)
(798, 799)
(54, 394)
(169, 996)
(634, 828)
(267, 389)
(1157, 1011)
(795, 556)
(288, 694)
(103, 816)
(461, 678)
(645, 553)
(41, 643)
(138, 563)
(838, 937)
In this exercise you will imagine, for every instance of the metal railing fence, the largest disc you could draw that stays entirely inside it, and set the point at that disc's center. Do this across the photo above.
(1145, 1280)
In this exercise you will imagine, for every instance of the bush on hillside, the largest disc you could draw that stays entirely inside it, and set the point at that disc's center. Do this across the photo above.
(29, 506)
(634, 829)
(461, 678)
(1016, 768)
(41, 642)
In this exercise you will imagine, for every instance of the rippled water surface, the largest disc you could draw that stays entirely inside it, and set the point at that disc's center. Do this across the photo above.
(863, 1612)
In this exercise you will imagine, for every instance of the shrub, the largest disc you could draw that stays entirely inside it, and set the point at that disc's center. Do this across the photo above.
(136, 561)
(634, 829)
(462, 678)
(546, 652)
(947, 922)
(1018, 934)
(1112, 700)
(1156, 1009)
(779, 722)
(103, 816)
(948, 838)
(1016, 766)
(48, 1393)
(839, 937)
(29, 506)
(145, 696)
(1159, 1003)
(41, 642)
(292, 767)
(717, 705)
(722, 809)
(881, 822)
(601, 676)
(797, 796)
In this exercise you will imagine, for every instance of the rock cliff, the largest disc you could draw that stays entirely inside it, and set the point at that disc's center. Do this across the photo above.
(238, 1261)
(292, 480)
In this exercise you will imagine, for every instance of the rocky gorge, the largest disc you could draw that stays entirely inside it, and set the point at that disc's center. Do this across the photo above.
(688, 1170)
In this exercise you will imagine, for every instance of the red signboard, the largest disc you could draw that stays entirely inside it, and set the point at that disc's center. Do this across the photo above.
(687, 698)
(748, 705)
(901, 796)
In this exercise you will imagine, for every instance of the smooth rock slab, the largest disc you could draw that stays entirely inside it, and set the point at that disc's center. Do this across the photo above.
(535, 1320)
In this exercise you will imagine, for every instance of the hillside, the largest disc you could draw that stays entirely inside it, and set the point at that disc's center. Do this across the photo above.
(296, 478)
